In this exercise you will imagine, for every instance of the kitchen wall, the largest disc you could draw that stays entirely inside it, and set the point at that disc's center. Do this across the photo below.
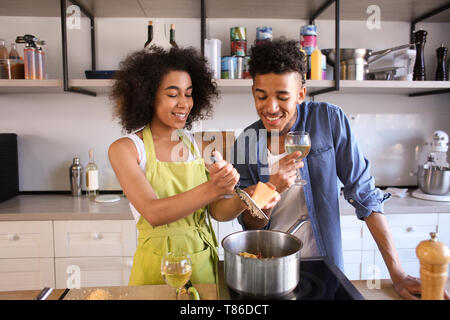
(54, 128)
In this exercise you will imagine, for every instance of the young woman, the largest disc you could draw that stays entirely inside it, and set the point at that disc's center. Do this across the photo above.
(157, 94)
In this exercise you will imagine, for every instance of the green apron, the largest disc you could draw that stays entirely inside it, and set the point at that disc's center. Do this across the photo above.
(191, 234)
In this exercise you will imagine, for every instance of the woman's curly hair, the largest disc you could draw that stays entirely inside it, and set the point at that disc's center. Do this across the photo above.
(140, 75)
(277, 56)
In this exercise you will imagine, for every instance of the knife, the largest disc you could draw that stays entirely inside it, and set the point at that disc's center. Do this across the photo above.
(193, 293)
(44, 293)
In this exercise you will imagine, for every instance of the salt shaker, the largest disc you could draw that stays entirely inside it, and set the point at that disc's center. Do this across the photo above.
(76, 172)
(434, 257)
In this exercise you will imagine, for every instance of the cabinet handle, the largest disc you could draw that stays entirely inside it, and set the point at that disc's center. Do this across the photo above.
(129, 263)
(411, 229)
(13, 237)
(97, 236)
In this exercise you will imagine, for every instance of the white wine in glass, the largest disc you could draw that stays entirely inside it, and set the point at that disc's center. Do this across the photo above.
(298, 141)
(176, 269)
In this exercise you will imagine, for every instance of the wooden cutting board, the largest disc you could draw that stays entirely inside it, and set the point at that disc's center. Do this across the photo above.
(150, 292)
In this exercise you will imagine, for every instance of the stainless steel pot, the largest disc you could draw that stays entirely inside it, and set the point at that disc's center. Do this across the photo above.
(355, 62)
(278, 273)
(435, 180)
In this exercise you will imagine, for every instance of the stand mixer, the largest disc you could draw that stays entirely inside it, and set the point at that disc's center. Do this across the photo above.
(433, 174)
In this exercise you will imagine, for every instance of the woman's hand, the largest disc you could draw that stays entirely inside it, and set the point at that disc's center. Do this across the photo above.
(223, 175)
(285, 171)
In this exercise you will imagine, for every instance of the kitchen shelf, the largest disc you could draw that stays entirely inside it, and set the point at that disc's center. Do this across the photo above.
(31, 86)
(405, 10)
(233, 86)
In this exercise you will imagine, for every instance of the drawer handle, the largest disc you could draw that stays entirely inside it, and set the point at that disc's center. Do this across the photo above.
(411, 229)
(13, 237)
(129, 263)
(97, 236)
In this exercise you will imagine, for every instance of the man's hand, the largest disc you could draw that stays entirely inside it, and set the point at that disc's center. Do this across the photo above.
(285, 171)
(409, 286)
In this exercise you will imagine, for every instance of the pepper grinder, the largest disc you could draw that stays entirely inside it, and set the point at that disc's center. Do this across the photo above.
(434, 257)
(441, 74)
(420, 38)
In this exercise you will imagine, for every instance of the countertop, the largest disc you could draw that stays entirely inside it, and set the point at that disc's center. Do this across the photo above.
(66, 207)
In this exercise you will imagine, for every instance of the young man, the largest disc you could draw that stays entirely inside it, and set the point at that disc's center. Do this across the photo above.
(278, 71)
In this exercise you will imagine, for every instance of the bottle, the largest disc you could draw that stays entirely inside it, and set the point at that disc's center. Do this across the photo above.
(3, 50)
(75, 173)
(40, 61)
(316, 65)
(91, 176)
(172, 36)
(13, 53)
(149, 34)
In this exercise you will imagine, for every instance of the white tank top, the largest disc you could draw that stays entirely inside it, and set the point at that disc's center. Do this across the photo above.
(291, 206)
(139, 144)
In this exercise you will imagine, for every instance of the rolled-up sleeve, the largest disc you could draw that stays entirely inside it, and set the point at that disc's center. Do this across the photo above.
(353, 169)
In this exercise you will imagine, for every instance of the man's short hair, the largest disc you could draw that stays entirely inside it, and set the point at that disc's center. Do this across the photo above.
(277, 56)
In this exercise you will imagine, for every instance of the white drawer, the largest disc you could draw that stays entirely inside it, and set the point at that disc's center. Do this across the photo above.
(92, 271)
(26, 239)
(406, 229)
(105, 238)
(26, 274)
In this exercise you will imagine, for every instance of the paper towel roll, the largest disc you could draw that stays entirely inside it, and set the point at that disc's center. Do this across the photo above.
(212, 54)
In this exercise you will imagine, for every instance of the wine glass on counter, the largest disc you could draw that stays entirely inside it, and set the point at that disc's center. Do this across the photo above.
(176, 270)
(298, 141)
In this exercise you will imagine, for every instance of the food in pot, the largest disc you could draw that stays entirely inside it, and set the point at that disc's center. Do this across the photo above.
(99, 294)
(251, 255)
(263, 194)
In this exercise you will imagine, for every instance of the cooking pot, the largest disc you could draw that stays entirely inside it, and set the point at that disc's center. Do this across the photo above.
(276, 274)
(434, 180)
(355, 62)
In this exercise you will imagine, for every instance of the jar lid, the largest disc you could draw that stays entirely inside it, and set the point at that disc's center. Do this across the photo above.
(432, 251)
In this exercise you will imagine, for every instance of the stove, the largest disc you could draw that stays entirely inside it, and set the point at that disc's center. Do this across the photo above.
(319, 280)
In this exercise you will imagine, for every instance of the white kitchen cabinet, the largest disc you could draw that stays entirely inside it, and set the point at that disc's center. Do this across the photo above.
(92, 271)
(224, 229)
(102, 238)
(26, 239)
(407, 231)
(444, 228)
(26, 274)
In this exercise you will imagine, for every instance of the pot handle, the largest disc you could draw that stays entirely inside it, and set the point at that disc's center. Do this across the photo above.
(380, 54)
(298, 224)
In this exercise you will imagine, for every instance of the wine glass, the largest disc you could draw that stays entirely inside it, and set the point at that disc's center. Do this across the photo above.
(176, 270)
(298, 141)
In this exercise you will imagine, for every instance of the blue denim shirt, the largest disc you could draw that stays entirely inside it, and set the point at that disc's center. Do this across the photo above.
(334, 154)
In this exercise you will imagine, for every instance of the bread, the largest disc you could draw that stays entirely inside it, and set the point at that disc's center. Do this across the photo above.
(263, 194)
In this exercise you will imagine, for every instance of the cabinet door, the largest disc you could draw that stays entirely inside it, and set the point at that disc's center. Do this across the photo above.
(409, 229)
(409, 261)
(352, 264)
(26, 274)
(226, 228)
(92, 271)
(103, 238)
(26, 239)
(351, 231)
(444, 228)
